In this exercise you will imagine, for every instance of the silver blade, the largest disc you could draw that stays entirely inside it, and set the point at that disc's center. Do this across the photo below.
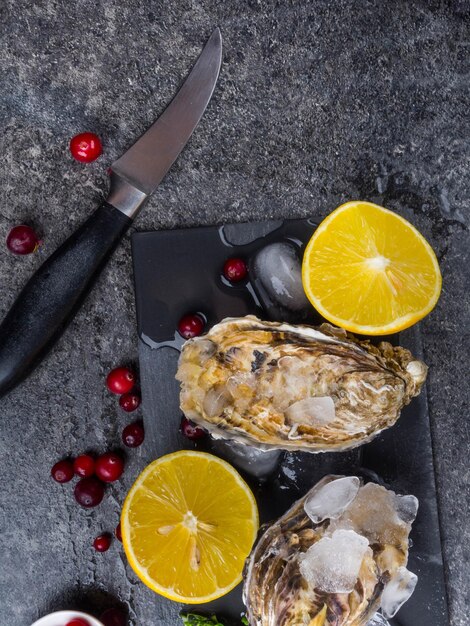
(149, 159)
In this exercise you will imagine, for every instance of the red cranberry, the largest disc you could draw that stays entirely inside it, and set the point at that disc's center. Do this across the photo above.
(120, 380)
(191, 325)
(22, 240)
(133, 435)
(113, 617)
(85, 147)
(62, 471)
(129, 402)
(78, 621)
(102, 542)
(109, 467)
(89, 492)
(118, 533)
(84, 465)
(191, 430)
(235, 270)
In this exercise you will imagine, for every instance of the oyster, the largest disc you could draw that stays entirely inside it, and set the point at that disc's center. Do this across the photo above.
(334, 572)
(273, 385)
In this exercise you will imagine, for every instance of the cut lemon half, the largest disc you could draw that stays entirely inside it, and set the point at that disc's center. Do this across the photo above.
(188, 524)
(370, 271)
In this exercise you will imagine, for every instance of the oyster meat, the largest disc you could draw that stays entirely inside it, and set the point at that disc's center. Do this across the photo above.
(338, 571)
(274, 385)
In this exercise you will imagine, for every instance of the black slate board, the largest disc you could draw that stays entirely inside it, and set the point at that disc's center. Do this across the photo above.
(179, 271)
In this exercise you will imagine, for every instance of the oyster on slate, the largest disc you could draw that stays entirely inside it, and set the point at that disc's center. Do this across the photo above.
(274, 385)
(334, 572)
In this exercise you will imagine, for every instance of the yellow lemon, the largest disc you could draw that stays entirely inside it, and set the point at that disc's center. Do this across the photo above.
(188, 524)
(370, 271)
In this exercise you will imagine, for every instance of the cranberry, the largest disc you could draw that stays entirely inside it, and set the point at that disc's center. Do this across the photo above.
(120, 380)
(62, 471)
(133, 435)
(78, 621)
(118, 533)
(235, 270)
(22, 240)
(85, 147)
(113, 617)
(102, 542)
(84, 465)
(191, 325)
(89, 492)
(129, 402)
(109, 467)
(191, 430)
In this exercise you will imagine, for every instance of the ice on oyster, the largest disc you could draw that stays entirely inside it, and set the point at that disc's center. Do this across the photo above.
(330, 501)
(273, 385)
(334, 572)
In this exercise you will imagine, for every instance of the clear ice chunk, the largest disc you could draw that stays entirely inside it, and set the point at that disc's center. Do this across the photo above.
(378, 620)
(407, 508)
(374, 513)
(332, 499)
(332, 564)
(315, 410)
(277, 267)
(397, 591)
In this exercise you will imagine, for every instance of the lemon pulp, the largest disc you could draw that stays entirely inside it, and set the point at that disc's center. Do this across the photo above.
(370, 271)
(188, 524)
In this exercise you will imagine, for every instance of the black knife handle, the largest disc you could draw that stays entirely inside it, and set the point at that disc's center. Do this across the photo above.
(53, 294)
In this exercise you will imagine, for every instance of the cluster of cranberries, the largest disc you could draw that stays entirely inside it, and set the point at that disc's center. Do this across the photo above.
(121, 381)
(22, 239)
(111, 617)
(95, 473)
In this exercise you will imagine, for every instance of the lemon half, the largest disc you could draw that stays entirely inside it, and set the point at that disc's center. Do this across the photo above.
(370, 271)
(188, 524)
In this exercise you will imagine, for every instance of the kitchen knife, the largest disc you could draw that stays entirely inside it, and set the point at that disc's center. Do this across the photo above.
(54, 293)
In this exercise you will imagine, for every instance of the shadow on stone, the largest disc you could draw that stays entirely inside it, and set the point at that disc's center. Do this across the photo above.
(90, 600)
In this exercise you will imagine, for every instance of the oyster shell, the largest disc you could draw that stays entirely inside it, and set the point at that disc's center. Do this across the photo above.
(334, 572)
(273, 385)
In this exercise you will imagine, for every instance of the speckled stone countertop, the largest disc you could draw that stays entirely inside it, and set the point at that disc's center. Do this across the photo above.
(318, 102)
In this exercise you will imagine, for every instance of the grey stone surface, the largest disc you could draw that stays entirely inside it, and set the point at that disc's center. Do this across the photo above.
(318, 102)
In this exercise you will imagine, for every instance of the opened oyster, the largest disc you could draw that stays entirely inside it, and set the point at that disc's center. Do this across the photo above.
(274, 385)
(333, 559)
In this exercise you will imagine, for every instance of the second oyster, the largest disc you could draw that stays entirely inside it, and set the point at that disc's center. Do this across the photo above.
(336, 557)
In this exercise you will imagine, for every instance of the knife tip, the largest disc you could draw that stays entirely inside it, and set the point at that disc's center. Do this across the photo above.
(216, 36)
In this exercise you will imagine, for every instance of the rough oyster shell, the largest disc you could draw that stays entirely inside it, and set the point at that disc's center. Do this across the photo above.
(273, 385)
(276, 593)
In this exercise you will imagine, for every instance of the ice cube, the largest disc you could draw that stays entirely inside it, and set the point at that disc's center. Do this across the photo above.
(378, 620)
(407, 507)
(332, 564)
(397, 591)
(277, 267)
(375, 514)
(314, 410)
(332, 499)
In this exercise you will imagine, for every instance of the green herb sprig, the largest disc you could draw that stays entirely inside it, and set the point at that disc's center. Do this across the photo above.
(193, 619)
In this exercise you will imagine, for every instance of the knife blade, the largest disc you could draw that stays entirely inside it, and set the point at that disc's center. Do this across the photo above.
(54, 293)
(136, 174)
